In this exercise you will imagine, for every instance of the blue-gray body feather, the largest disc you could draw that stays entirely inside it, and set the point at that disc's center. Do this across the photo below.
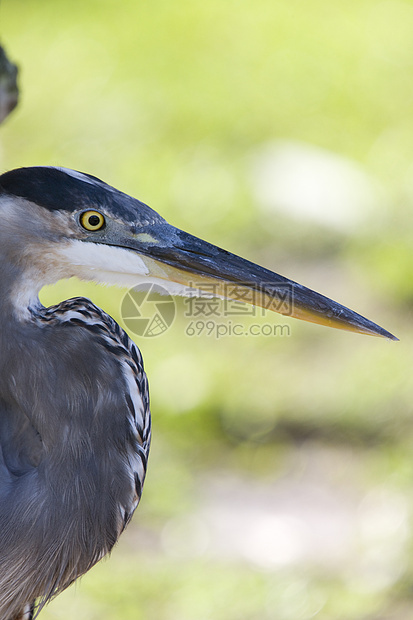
(85, 397)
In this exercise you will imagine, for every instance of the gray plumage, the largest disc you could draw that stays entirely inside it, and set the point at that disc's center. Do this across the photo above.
(74, 446)
(74, 403)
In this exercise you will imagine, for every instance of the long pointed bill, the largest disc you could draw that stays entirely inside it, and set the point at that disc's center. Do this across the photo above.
(171, 254)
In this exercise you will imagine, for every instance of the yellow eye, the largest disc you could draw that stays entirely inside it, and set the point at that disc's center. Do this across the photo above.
(92, 220)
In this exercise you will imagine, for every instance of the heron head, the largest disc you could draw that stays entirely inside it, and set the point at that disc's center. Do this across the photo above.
(59, 223)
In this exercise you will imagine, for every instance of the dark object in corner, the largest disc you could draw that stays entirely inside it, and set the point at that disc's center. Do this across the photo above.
(9, 93)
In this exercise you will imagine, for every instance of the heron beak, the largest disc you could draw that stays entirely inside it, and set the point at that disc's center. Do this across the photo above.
(171, 254)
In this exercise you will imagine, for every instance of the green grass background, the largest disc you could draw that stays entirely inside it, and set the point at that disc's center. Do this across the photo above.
(171, 102)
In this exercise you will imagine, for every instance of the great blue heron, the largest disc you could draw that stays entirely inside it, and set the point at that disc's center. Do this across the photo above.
(75, 423)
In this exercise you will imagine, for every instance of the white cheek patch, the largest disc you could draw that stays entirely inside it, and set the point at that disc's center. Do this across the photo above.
(91, 260)
(115, 266)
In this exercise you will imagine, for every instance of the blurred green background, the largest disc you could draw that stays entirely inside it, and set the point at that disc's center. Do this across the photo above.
(280, 478)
